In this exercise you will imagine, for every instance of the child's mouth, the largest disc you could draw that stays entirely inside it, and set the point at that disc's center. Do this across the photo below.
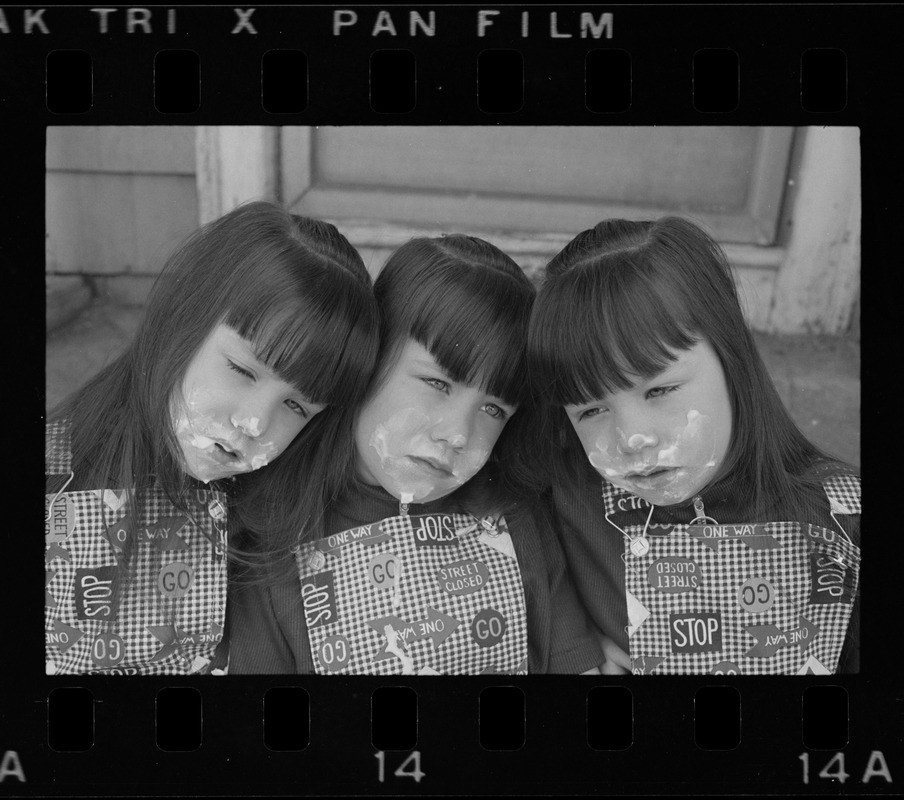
(226, 451)
(651, 477)
(437, 468)
(646, 473)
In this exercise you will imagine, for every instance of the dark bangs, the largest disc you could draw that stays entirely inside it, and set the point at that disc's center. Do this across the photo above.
(606, 322)
(468, 304)
(476, 330)
(316, 328)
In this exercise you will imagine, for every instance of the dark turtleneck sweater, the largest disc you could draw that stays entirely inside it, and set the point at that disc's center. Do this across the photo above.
(594, 549)
(266, 625)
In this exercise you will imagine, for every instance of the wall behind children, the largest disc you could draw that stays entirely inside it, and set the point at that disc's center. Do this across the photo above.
(784, 202)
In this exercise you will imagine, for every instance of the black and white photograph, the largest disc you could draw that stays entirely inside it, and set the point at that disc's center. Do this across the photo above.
(450, 399)
(453, 400)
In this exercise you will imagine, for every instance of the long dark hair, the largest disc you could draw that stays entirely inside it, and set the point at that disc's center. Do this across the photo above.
(469, 305)
(292, 286)
(464, 300)
(616, 300)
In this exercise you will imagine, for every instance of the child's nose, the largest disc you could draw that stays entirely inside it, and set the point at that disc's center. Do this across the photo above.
(250, 425)
(458, 441)
(454, 429)
(630, 443)
(253, 417)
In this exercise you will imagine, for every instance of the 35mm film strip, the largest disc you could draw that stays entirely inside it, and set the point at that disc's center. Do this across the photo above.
(524, 66)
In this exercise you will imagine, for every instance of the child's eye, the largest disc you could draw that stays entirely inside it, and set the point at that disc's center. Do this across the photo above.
(236, 368)
(590, 412)
(298, 408)
(495, 411)
(436, 383)
(660, 391)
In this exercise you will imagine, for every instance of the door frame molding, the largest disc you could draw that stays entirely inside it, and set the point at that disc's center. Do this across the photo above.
(808, 284)
(235, 163)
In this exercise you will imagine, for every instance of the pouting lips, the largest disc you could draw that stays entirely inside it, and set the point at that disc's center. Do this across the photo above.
(438, 467)
(230, 453)
(648, 474)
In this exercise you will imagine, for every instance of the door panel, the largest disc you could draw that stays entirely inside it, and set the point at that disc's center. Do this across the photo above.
(540, 179)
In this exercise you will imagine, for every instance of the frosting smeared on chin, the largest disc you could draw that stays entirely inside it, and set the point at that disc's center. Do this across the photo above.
(204, 442)
(403, 439)
(687, 459)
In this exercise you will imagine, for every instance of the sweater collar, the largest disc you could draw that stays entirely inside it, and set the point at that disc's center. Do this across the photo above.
(720, 501)
(365, 503)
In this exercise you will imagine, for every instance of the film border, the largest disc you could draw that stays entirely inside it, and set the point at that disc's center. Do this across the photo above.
(341, 759)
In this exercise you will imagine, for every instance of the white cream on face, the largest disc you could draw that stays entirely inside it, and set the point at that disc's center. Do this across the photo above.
(691, 450)
(407, 433)
(251, 425)
(664, 438)
(230, 401)
(422, 434)
(198, 433)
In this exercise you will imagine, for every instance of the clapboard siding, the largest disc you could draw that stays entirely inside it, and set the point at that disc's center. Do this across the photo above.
(99, 223)
(119, 199)
(122, 149)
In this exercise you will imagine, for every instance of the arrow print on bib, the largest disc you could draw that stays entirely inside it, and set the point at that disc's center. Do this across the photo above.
(162, 533)
(437, 627)
(55, 551)
(113, 500)
(813, 667)
(65, 635)
(173, 638)
(637, 613)
(49, 600)
(501, 541)
(118, 533)
(166, 634)
(770, 638)
(644, 665)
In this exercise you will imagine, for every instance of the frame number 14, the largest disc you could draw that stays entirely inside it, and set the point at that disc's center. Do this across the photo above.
(409, 768)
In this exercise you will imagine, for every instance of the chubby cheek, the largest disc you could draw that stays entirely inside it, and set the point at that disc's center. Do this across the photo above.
(196, 422)
(407, 433)
(597, 451)
(395, 435)
(198, 427)
(693, 445)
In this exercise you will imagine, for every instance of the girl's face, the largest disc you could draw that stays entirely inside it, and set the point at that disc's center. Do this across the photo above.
(232, 414)
(422, 435)
(665, 438)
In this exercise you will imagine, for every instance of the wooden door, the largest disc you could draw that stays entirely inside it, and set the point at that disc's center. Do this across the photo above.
(539, 179)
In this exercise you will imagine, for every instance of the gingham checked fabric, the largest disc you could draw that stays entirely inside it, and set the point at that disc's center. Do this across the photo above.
(171, 612)
(431, 594)
(741, 599)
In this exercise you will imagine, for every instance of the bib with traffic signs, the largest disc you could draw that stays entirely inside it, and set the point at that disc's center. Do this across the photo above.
(742, 598)
(130, 591)
(434, 594)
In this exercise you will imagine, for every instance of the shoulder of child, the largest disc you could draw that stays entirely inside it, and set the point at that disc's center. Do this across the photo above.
(57, 447)
(843, 490)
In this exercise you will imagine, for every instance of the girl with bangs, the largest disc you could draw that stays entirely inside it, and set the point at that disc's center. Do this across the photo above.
(723, 541)
(205, 422)
(433, 559)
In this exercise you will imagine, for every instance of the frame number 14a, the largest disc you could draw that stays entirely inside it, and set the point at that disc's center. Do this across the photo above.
(834, 770)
